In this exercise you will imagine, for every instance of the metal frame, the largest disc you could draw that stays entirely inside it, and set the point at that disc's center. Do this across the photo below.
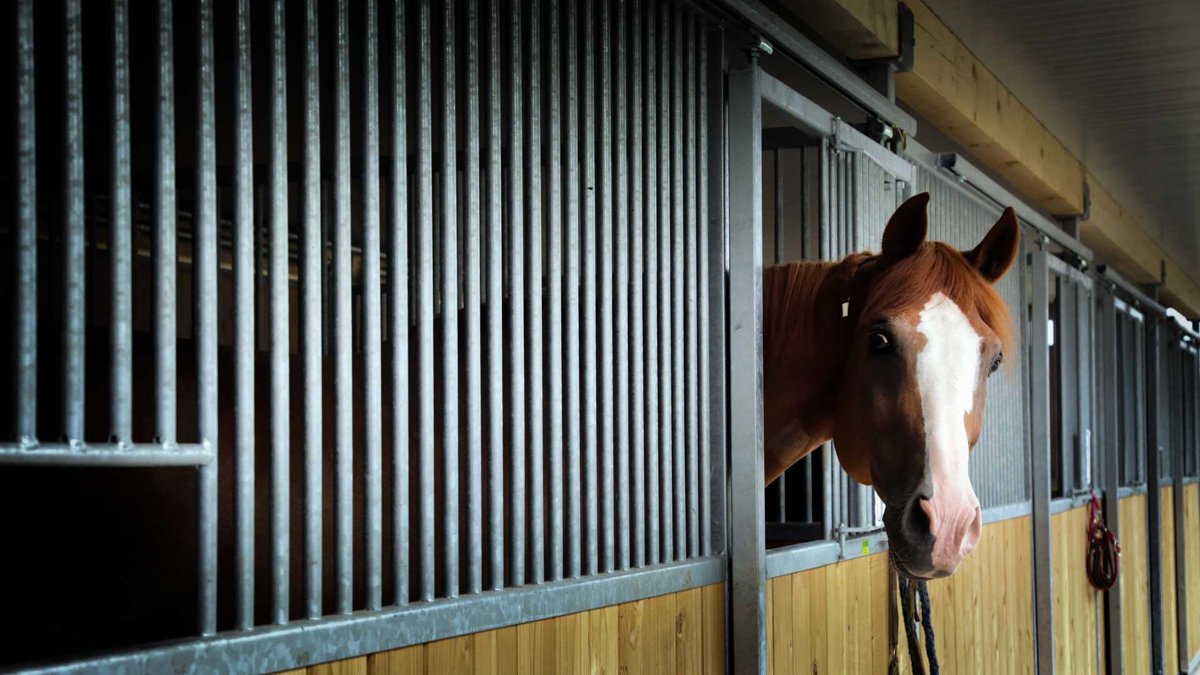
(1108, 356)
(1038, 355)
(1154, 494)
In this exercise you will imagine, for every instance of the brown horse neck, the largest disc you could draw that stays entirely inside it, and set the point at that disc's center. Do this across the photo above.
(804, 350)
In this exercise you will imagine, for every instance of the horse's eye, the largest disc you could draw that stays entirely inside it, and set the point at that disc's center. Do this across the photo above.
(878, 342)
(996, 363)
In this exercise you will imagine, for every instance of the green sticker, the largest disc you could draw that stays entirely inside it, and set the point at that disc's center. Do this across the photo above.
(866, 547)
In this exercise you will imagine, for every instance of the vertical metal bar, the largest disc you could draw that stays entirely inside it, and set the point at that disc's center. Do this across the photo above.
(371, 315)
(73, 229)
(665, 286)
(554, 264)
(343, 347)
(205, 232)
(620, 189)
(26, 393)
(425, 302)
(1039, 370)
(449, 272)
(694, 280)
(591, 470)
(280, 341)
(535, 303)
(164, 232)
(495, 300)
(120, 232)
(1153, 355)
(474, 358)
(608, 443)
(516, 263)
(1179, 452)
(313, 261)
(747, 554)
(574, 509)
(712, 293)
(637, 198)
(244, 317)
(654, 448)
(678, 228)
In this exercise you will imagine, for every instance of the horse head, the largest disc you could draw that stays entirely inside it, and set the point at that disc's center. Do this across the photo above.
(925, 328)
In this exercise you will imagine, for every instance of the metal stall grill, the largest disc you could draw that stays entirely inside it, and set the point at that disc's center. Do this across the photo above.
(433, 288)
(1000, 461)
(1130, 382)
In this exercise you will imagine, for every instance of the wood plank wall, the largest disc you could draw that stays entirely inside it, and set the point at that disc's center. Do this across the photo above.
(834, 619)
(1191, 500)
(1170, 610)
(1078, 609)
(675, 633)
(1135, 586)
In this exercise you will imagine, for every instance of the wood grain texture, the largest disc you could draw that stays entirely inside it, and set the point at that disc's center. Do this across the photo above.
(1135, 586)
(1170, 616)
(1075, 602)
(834, 619)
(1191, 500)
(676, 633)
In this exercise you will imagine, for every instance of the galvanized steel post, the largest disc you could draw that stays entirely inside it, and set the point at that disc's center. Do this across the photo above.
(1039, 375)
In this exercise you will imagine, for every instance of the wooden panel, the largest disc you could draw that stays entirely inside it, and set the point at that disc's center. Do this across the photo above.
(1134, 582)
(834, 619)
(1191, 500)
(1076, 633)
(1170, 616)
(675, 633)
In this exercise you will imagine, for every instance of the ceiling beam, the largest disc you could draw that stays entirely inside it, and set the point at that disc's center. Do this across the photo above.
(954, 91)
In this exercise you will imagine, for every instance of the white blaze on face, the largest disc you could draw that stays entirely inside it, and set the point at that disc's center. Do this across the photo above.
(947, 373)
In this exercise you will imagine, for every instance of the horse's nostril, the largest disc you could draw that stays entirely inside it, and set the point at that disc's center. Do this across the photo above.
(920, 518)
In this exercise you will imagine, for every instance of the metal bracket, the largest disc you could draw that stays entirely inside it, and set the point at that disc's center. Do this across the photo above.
(902, 62)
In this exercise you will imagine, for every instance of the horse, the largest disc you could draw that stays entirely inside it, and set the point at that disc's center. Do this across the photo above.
(888, 355)
(921, 321)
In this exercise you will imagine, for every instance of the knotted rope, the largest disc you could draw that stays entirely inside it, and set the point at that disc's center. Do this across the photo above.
(1104, 551)
(913, 593)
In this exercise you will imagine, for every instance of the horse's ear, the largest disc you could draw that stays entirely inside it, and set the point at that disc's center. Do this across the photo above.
(996, 253)
(906, 228)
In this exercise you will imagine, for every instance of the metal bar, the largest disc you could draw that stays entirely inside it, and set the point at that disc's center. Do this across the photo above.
(620, 190)
(791, 41)
(534, 302)
(1179, 452)
(663, 315)
(26, 343)
(244, 317)
(1002, 197)
(1039, 466)
(120, 232)
(280, 340)
(516, 266)
(313, 261)
(1154, 492)
(712, 293)
(637, 195)
(472, 262)
(495, 302)
(1110, 362)
(343, 346)
(694, 280)
(1129, 289)
(650, 199)
(206, 262)
(164, 232)
(747, 608)
(449, 274)
(425, 304)
(73, 228)
(554, 264)
(607, 400)
(105, 454)
(372, 316)
(591, 470)
(302, 643)
(574, 507)
(678, 225)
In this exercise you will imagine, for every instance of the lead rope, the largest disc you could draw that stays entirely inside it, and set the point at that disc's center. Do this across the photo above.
(1104, 551)
(910, 593)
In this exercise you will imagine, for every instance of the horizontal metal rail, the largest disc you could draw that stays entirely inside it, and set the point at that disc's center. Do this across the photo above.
(308, 642)
(789, 39)
(977, 179)
(106, 454)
